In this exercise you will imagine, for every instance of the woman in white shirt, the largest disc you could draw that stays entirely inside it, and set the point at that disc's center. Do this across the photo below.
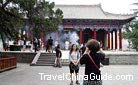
(74, 58)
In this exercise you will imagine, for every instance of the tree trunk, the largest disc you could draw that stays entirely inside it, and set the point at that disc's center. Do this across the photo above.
(3, 41)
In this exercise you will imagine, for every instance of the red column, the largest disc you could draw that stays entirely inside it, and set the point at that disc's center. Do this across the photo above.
(29, 34)
(115, 39)
(43, 38)
(80, 36)
(95, 33)
(108, 38)
(120, 39)
(112, 40)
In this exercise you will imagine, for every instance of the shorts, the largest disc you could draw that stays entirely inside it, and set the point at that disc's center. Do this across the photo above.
(71, 70)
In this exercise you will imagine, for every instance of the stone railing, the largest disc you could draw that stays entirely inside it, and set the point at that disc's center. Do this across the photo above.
(36, 58)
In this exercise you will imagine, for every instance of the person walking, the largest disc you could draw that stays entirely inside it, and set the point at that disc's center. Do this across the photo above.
(24, 44)
(50, 44)
(35, 44)
(31, 45)
(74, 57)
(58, 56)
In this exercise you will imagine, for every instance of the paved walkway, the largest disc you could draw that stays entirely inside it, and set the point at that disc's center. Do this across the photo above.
(29, 75)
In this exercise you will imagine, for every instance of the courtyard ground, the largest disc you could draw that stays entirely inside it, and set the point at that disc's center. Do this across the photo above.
(33, 75)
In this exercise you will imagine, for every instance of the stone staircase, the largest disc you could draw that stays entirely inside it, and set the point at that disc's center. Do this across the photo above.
(44, 59)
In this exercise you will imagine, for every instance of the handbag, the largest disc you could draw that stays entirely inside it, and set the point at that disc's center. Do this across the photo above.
(73, 67)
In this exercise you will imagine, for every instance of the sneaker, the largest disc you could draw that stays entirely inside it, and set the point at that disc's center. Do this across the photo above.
(71, 83)
(77, 82)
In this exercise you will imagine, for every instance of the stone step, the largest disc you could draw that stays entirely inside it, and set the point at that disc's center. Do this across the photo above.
(46, 59)
(51, 56)
(48, 54)
(45, 63)
(51, 64)
(41, 56)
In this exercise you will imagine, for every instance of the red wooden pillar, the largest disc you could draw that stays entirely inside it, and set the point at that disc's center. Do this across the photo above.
(115, 39)
(95, 35)
(43, 38)
(112, 42)
(80, 36)
(120, 39)
(108, 38)
(28, 35)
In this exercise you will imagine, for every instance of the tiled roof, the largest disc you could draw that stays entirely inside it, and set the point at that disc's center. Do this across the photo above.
(89, 12)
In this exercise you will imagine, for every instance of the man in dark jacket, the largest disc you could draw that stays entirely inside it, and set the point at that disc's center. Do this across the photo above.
(58, 56)
(50, 44)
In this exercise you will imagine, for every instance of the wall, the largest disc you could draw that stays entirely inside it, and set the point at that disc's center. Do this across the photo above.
(22, 57)
(122, 59)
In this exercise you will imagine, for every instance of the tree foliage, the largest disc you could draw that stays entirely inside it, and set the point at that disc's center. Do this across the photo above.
(40, 16)
(132, 35)
(10, 19)
(132, 30)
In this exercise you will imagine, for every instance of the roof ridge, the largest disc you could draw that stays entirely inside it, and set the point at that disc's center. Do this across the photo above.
(98, 5)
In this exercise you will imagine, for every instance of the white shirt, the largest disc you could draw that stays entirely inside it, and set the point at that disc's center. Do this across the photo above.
(74, 57)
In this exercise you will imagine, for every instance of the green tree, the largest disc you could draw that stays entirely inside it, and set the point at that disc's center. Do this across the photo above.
(10, 20)
(132, 35)
(39, 15)
(131, 32)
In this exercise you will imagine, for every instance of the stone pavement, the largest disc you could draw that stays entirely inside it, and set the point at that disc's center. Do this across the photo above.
(29, 75)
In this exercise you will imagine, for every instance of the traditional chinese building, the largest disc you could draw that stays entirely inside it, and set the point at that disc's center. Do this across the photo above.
(92, 22)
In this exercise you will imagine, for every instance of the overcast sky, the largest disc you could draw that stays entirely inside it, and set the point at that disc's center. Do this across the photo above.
(112, 6)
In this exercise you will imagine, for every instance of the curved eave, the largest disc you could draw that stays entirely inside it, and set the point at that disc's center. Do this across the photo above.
(89, 12)
(131, 18)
